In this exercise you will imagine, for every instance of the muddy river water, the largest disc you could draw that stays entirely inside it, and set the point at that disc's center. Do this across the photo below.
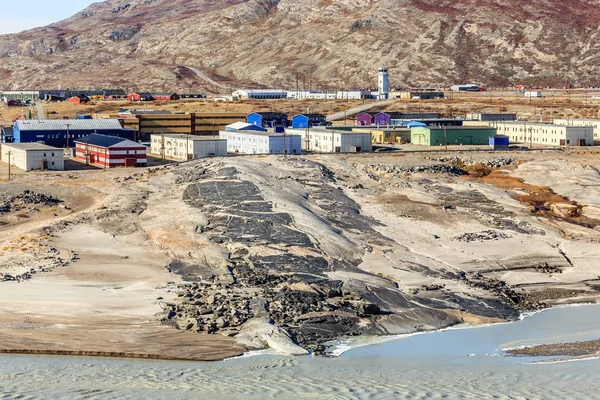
(454, 364)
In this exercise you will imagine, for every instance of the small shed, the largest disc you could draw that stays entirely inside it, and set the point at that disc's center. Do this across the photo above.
(499, 142)
(142, 96)
(267, 119)
(365, 118)
(308, 120)
(134, 97)
(165, 96)
(76, 100)
(389, 118)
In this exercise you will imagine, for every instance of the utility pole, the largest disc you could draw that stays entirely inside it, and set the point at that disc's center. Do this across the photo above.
(307, 137)
(530, 138)
(446, 136)
(9, 153)
(87, 152)
(67, 136)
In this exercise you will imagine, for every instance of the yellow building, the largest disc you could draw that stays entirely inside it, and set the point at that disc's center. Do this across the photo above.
(205, 124)
(383, 136)
(477, 123)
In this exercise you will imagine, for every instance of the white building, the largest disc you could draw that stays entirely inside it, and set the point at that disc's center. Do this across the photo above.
(383, 83)
(252, 142)
(318, 95)
(174, 146)
(594, 123)
(353, 94)
(533, 94)
(491, 117)
(469, 87)
(310, 95)
(245, 94)
(30, 156)
(20, 94)
(332, 141)
(545, 134)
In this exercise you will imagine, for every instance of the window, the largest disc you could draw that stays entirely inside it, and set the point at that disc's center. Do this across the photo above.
(53, 156)
(44, 154)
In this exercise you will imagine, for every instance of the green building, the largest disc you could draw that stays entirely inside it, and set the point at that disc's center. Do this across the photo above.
(452, 135)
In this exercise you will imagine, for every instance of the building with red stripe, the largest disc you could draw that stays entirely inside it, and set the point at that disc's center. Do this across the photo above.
(110, 151)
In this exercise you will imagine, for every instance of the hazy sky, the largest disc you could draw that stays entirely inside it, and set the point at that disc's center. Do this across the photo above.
(18, 16)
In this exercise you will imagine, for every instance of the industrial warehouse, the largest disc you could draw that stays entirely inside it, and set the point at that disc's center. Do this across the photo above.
(322, 140)
(32, 156)
(452, 135)
(62, 133)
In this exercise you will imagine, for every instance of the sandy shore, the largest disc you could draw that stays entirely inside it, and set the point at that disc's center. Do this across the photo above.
(571, 350)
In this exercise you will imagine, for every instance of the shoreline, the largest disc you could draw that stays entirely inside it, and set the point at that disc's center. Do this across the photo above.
(337, 350)
(101, 354)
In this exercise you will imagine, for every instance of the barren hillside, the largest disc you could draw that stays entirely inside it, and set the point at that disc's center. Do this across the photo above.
(149, 44)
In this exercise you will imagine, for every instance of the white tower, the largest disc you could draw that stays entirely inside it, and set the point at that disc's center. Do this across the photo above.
(384, 83)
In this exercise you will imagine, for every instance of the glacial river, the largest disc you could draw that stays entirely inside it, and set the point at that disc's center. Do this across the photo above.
(452, 364)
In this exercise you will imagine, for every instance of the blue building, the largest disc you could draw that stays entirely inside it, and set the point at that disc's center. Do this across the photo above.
(267, 119)
(6, 134)
(309, 120)
(55, 132)
(500, 142)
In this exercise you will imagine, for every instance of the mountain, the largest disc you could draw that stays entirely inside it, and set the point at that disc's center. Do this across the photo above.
(171, 44)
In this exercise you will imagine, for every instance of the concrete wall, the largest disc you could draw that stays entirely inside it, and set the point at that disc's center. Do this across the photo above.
(28, 160)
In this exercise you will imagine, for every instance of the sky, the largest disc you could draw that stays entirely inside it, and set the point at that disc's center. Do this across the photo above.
(18, 16)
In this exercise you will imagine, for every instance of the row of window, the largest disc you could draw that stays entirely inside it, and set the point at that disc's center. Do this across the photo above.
(536, 139)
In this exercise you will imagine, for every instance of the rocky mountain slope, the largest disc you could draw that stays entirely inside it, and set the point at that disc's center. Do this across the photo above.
(149, 44)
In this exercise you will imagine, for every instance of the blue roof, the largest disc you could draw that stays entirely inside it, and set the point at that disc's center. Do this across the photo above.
(415, 124)
(64, 124)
